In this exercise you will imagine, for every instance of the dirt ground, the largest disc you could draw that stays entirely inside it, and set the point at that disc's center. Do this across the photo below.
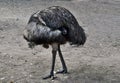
(98, 61)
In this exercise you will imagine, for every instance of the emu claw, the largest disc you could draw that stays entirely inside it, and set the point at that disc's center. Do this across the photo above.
(61, 71)
(49, 76)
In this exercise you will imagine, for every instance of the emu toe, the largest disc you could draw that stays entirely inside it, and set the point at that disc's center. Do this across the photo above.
(49, 76)
(61, 71)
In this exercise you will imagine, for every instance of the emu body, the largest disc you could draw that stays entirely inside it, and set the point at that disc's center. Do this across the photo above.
(54, 26)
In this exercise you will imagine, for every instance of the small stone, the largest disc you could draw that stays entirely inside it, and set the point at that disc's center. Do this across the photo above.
(30, 75)
(66, 77)
(2, 36)
(11, 57)
(17, 19)
(26, 61)
(12, 77)
(100, 44)
(2, 78)
(5, 54)
(31, 63)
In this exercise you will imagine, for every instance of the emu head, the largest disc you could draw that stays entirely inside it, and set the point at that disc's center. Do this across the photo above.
(34, 18)
(29, 27)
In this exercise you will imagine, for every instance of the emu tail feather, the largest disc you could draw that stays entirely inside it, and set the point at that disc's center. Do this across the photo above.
(77, 36)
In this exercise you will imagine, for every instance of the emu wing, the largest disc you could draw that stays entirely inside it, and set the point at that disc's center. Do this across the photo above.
(60, 18)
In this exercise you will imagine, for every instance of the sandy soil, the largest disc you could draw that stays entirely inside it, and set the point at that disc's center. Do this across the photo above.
(98, 61)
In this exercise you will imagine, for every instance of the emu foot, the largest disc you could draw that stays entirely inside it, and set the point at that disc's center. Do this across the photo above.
(61, 71)
(49, 76)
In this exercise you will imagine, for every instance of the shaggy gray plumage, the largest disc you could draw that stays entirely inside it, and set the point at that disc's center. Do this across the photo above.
(41, 34)
(54, 24)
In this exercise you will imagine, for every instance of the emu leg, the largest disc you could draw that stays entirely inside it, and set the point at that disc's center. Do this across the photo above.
(53, 64)
(62, 61)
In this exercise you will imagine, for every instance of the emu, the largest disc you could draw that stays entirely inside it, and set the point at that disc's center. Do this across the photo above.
(54, 26)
